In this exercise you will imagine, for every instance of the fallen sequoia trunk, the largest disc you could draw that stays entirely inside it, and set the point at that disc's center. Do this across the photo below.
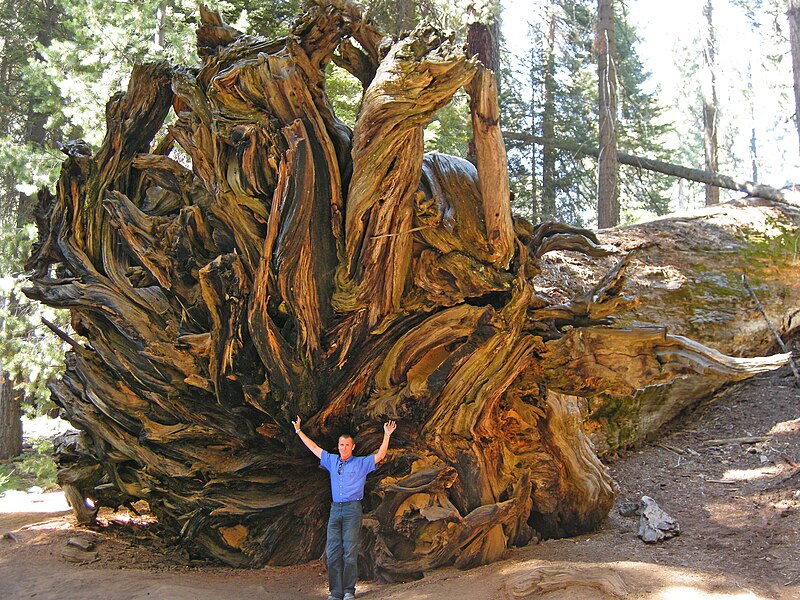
(687, 276)
(299, 268)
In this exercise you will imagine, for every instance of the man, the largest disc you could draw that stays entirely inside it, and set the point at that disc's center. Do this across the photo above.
(348, 474)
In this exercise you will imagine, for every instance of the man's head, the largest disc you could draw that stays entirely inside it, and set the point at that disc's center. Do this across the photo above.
(346, 446)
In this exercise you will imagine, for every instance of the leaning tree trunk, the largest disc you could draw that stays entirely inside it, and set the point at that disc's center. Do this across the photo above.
(299, 268)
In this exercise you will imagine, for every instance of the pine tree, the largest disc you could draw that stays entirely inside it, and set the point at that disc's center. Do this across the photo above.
(641, 131)
(559, 77)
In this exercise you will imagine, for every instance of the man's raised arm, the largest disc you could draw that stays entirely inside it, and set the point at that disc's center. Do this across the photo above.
(388, 430)
(310, 444)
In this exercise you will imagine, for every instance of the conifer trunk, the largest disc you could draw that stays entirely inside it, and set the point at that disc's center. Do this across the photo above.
(607, 166)
(710, 117)
(10, 419)
(794, 40)
(548, 124)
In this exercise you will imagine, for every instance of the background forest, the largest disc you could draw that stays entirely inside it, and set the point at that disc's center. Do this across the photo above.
(700, 83)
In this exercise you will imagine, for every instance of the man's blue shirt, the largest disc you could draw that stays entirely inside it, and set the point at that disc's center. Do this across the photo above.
(347, 482)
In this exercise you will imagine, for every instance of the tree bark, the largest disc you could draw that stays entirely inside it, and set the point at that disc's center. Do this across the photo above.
(536, 198)
(794, 40)
(689, 267)
(405, 16)
(299, 268)
(487, 148)
(548, 124)
(752, 188)
(753, 144)
(607, 167)
(710, 103)
(10, 418)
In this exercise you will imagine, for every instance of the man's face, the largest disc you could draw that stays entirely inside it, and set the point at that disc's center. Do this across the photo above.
(346, 447)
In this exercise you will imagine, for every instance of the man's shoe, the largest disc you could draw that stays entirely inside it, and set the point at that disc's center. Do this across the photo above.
(335, 598)
(349, 596)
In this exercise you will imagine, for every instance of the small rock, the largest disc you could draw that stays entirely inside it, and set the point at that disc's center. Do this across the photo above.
(83, 544)
(654, 524)
(628, 509)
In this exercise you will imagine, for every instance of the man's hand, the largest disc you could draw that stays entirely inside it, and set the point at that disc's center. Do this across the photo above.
(296, 425)
(388, 430)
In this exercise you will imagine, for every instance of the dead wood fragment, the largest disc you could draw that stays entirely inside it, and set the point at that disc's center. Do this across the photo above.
(672, 449)
(546, 580)
(751, 439)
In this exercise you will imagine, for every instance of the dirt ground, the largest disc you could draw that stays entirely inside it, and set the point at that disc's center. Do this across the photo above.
(737, 503)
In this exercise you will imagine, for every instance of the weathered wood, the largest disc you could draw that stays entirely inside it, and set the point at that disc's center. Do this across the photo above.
(575, 580)
(298, 268)
(737, 440)
(684, 278)
(492, 164)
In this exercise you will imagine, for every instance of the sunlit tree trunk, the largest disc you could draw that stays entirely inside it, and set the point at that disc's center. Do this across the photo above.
(159, 34)
(753, 144)
(710, 104)
(548, 120)
(535, 205)
(10, 418)
(794, 38)
(607, 165)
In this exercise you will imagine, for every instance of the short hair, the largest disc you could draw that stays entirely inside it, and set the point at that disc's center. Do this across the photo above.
(348, 436)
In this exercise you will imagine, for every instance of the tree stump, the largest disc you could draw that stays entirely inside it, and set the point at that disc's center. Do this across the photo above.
(291, 266)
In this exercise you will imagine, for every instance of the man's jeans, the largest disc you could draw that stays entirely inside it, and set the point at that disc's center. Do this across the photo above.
(341, 550)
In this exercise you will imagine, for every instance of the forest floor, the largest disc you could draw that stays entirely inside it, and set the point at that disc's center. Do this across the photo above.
(737, 503)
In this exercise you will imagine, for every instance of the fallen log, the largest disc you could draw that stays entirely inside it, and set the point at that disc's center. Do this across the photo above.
(685, 273)
(753, 188)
